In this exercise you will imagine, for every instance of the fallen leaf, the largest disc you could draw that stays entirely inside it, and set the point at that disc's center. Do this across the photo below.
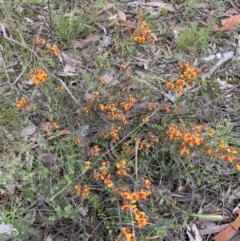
(88, 40)
(28, 130)
(108, 6)
(129, 24)
(139, 14)
(8, 135)
(68, 57)
(211, 230)
(193, 233)
(229, 231)
(113, 17)
(228, 23)
(121, 15)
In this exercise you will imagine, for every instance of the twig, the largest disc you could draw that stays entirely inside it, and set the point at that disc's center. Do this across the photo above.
(19, 76)
(226, 56)
(50, 17)
(41, 62)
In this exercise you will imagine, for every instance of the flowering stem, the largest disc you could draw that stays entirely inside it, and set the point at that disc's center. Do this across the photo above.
(138, 139)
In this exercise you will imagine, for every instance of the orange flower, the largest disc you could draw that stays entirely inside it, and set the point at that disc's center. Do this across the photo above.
(76, 140)
(238, 166)
(142, 33)
(180, 82)
(145, 119)
(126, 207)
(102, 80)
(197, 128)
(211, 133)
(228, 158)
(222, 145)
(123, 66)
(47, 128)
(125, 195)
(21, 103)
(40, 41)
(124, 121)
(38, 76)
(147, 183)
(55, 125)
(66, 132)
(170, 85)
(87, 165)
(179, 90)
(128, 235)
(60, 88)
(232, 150)
(121, 163)
(103, 175)
(133, 197)
(108, 181)
(142, 219)
(104, 166)
(77, 188)
(184, 150)
(208, 151)
(85, 191)
(142, 195)
(96, 175)
(122, 172)
(198, 140)
(95, 150)
(53, 49)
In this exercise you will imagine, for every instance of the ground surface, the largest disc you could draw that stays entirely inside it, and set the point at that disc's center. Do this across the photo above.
(119, 120)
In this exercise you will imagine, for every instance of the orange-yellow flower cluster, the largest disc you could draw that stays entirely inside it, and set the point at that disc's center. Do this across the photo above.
(95, 150)
(40, 41)
(128, 105)
(38, 76)
(49, 126)
(87, 165)
(128, 234)
(187, 138)
(130, 199)
(143, 33)
(76, 140)
(185, 78)
(150, 140)
(22, 102)
(53, 49)
(223, 151)
(112, 112)
(121, 168)
(83, 192)
(103, 175)
(113, 133)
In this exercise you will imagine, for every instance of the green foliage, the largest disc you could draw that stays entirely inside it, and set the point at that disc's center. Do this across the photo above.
(74, 26)
(193, 39)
